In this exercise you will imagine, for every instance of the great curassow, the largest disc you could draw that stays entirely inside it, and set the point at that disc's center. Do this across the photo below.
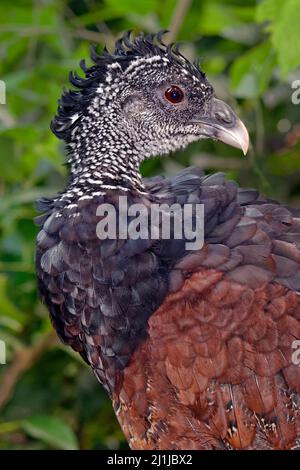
(195, 347)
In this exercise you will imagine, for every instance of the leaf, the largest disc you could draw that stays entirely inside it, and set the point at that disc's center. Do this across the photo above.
(123, 8)
(10, 315)
(268, 10)
(216, 17)
(284, 29)
(251, 73)
(51, 430)
(243, 34)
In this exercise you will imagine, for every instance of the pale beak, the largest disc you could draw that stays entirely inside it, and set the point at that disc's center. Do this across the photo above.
(221, 123)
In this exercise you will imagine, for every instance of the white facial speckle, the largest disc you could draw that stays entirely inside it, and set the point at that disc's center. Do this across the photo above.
(75, 117)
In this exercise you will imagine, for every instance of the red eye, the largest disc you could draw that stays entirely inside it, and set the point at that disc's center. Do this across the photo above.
(174, 94)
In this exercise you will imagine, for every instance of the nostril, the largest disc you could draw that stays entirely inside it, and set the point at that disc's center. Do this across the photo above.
(224, 116)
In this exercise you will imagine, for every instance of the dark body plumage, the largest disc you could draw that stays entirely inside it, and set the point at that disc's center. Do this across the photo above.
(194, 347)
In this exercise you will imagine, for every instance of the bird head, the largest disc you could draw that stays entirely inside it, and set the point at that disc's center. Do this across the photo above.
(146, 99)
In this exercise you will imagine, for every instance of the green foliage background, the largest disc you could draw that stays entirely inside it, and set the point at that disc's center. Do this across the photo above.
(250, 52)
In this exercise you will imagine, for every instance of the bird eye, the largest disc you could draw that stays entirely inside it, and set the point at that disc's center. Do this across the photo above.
(174, 94)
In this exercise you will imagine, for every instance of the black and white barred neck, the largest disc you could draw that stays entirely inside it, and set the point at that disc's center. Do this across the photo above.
(109, 127)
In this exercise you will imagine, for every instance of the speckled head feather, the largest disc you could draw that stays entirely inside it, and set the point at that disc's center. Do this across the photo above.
(126, 51)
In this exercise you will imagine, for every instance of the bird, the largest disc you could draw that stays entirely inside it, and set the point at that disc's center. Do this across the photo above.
(196, 348)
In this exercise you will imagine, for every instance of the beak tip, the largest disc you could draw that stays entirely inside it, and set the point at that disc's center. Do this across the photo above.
(245, 147)
(243, 137)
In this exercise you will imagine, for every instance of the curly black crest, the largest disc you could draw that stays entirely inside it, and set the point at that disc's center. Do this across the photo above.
(126, 51)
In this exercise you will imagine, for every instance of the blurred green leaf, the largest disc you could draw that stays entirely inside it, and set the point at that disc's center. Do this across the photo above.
(284, 24)
(10, 315)
(251, 73)
(52, 431)
(123, 8)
